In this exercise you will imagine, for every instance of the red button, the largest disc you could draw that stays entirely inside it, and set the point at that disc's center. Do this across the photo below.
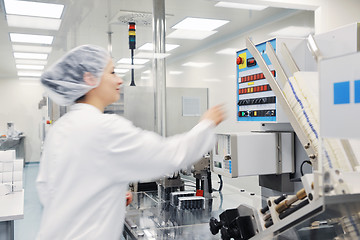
(239, 60)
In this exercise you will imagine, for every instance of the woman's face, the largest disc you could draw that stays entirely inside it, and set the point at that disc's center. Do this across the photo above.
(109, 87)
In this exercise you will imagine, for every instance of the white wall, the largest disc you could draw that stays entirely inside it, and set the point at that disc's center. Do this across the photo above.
(19, 104)
(333, 14)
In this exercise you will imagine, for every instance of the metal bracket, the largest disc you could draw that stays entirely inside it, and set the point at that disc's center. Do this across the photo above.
(278, 153)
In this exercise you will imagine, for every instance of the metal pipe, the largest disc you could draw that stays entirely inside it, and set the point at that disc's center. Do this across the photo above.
(109, 43)
(159, 70)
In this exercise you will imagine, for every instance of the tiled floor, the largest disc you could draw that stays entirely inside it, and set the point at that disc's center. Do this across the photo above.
(27, 228)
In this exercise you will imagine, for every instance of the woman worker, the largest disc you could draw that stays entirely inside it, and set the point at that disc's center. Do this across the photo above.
(89, 157)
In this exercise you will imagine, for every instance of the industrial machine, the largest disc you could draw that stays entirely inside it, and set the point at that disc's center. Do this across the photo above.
(322, 109)
(256, 153)
(298, 111)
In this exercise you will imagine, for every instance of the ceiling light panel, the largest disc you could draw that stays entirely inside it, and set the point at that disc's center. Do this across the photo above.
(129, 66)
(30, 38)
(33, 49)
(29, 78)
(149, 47)
(36, 9)
(241, 6)
(121, 70)
(196, 64)
(30, 61)
(190, 34)
(202, 24)
(175, 72)
(136, 61)
(29, 73)
(38, 56)
(151, 55)
(30, 67)
(33, 22)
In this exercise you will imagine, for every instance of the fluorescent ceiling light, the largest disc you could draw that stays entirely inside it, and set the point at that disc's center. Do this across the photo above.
(149, 47)
(29, 38)
(129, 66)
(121, 70)
(293, 31)
(30, 61)
(36, 9)
(196, 64)
(33, 22)
(175, 72)
(29, 74)
(29, 78)
(33, 49)
(190, 34)
(30, 67)
(39, 56)
(241, 6)
(136, 61)
(202, 24)
(145, 77)
(151, 55)
(147, 72)
(228, 51)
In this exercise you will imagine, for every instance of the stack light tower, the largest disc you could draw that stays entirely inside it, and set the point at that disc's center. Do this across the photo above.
(132, 46)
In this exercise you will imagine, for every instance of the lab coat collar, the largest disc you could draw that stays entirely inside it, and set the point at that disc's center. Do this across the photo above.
(84, 106)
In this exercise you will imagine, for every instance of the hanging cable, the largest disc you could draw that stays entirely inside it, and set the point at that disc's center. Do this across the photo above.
(221, 184)
(302, 164)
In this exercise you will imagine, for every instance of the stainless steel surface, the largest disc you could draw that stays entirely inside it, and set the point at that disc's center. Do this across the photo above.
(278, 92)
(157, 219)
(139, 107)
(159, 67)
(7, 230)
(16, 143)
(176, 121)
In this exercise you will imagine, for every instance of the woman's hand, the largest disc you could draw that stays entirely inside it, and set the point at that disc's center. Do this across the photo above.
(128, 198)
(215, 114)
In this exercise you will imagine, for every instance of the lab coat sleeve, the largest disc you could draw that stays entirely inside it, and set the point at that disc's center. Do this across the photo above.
(136, 154)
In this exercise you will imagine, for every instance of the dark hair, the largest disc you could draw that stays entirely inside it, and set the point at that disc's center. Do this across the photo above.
(80, 99)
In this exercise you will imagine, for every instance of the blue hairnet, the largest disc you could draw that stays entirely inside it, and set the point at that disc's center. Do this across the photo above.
(64, 81)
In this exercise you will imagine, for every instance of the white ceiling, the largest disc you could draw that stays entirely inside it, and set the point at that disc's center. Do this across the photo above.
(87, 22)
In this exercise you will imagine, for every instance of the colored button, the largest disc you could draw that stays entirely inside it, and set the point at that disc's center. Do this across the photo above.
(239, 60)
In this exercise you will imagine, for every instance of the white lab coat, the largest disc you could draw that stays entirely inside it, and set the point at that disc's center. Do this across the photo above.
(88, 160)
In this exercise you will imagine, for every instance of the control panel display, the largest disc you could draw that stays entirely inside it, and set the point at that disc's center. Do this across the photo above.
(255, 100)
(222, 156)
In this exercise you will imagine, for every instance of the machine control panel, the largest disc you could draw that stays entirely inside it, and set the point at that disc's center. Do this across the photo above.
(255, 100)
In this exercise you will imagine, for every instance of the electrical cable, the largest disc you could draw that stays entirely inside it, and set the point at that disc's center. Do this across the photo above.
(302, 164)
(221, 184)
